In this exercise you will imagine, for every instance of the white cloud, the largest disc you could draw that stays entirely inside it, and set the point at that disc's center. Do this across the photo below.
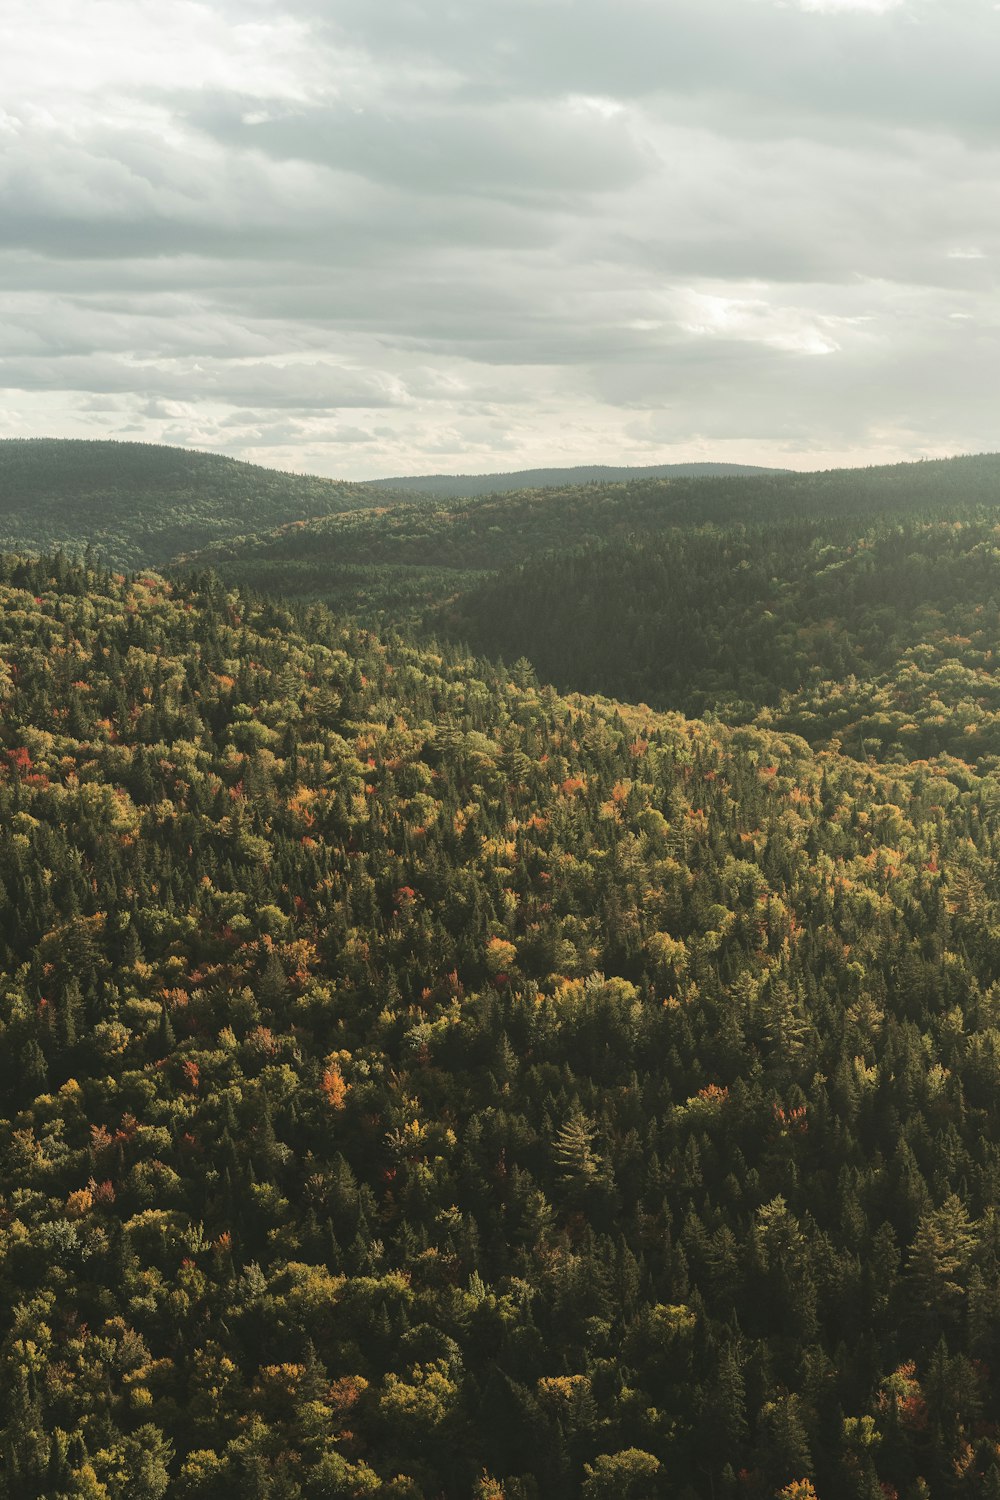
(873, 7)
(754, 320)
(375, 238)
(56, 51)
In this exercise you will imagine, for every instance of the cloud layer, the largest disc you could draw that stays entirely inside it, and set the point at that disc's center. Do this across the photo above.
(368, 239)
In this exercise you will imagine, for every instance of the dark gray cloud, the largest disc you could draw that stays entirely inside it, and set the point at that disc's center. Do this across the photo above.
(365, 238)
(518, 151)
(919, 63)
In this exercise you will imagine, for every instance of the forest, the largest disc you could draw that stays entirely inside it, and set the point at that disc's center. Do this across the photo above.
(140, 504)
(879, 638)
(438, 548)
(145, 504)
(546, 1045)
(462, 486)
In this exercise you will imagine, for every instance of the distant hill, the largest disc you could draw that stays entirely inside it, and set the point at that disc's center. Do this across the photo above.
(388, 562)
(144, 504)
(463, 486)
(392, 561)
(139, 504)
(855, 607)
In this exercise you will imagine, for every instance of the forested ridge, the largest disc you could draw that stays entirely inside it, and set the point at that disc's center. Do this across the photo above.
(590, 581)
(140, 504)
(461, 486)
(145, 504)
(418, 1083)
(858, 609)
(493, 531)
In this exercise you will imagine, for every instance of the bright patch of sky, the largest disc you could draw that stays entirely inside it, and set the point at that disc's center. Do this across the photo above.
(873, 7)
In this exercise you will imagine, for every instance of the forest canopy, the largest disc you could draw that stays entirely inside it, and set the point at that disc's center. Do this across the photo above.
(421, 1083)
(140, 504)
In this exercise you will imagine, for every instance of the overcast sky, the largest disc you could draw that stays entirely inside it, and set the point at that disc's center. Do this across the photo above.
(372, 237)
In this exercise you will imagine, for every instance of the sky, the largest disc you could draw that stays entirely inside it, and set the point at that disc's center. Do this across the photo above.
(380, 237)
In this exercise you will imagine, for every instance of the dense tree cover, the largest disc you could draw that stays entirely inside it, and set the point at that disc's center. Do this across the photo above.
(877, 634)
(477, 535)
(319, 559)
(883, 637)
(416, 1083)
(461, 486)
(390, 595)
(139, 504)
(145, 504)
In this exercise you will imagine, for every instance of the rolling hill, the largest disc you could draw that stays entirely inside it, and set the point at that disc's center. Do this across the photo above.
(139, 504)
(500, 530)
(143, 504)
(856, 607)
(461, 486)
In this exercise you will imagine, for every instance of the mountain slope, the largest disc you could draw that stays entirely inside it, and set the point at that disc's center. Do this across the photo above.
(856, 606)
(413, 1083)
(142, 504)
(139, 504)
(884, 636)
